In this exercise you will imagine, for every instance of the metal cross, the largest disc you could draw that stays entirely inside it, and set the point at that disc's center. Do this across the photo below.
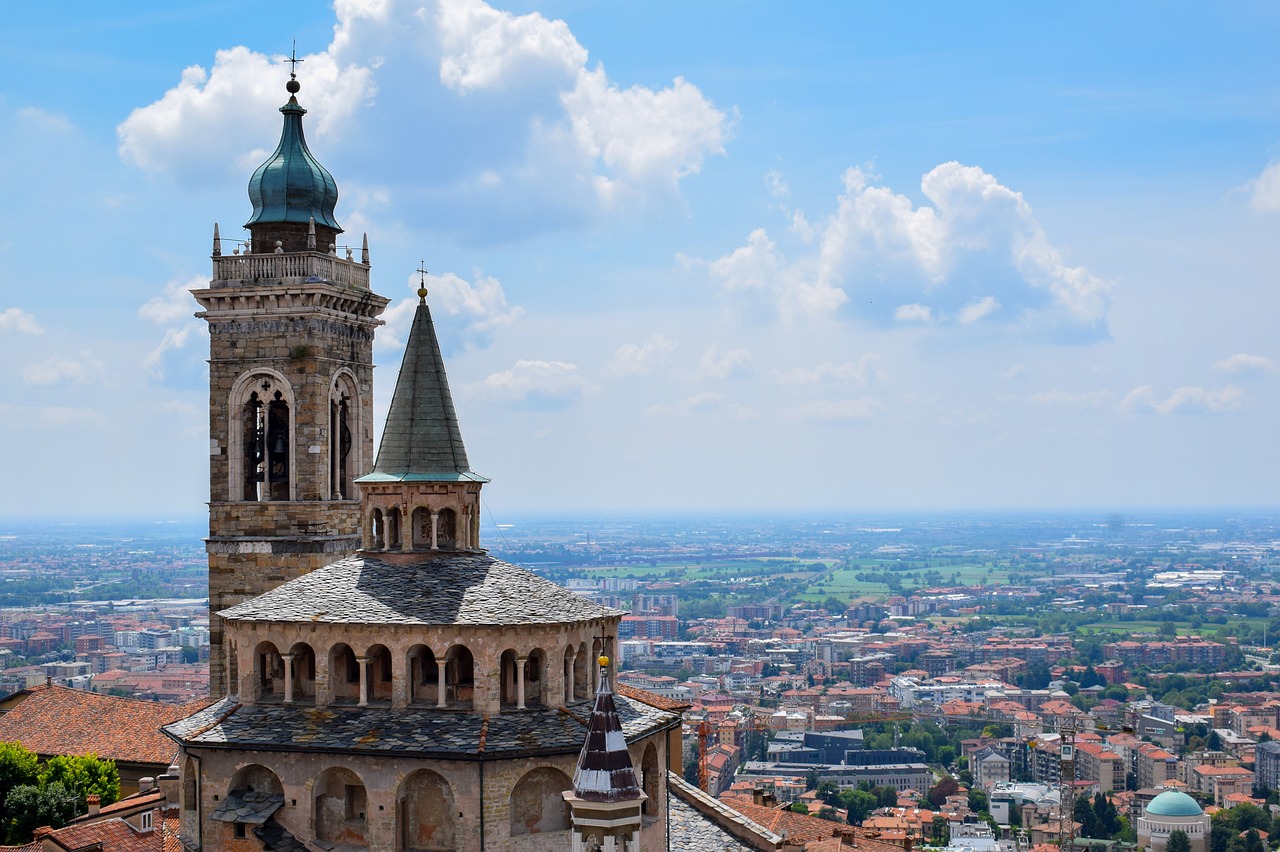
(293, 60)
(422, 272)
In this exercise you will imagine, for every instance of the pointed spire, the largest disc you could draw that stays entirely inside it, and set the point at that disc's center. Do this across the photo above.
(422, 440)
(217, 241)
(604, 772)
(364, 251)
(311, 234)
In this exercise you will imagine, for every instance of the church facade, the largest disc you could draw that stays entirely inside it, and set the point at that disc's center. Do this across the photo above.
(383, 683)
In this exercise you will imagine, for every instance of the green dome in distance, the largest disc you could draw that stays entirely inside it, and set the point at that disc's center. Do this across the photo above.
(292, 186)
(1174, 803)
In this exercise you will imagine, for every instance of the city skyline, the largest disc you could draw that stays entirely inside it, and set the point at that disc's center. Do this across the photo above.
(916, 259)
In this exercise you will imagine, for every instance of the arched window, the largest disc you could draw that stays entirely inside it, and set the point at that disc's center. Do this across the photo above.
(393, 529)
(534, 667)
(344, 409)
(341, 808)
(447, 530)
(507, 671)
(379, 674)
(459, 676)
(426, 813)
(190, 792)
(420, 529)
(650, 777)
(344, 675)
(377, 531)
(268, 667)
(424, 676)
(536, 803)
(582, 666)
(304, 673)
(261, 445)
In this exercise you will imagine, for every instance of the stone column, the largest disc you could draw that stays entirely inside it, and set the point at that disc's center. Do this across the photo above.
(568, 675)
(441, 690)
(435, 530)
(324, 686)
(363, 663)
(288, 677)
(520, 661)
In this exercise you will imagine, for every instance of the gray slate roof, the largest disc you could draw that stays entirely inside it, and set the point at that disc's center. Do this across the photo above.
(691, 828)
(464, 588)
(422, 441)
(409, 733)
(604, 772)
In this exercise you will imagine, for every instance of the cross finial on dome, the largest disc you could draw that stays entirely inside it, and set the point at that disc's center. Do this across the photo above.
(293, 85)
(422, 282)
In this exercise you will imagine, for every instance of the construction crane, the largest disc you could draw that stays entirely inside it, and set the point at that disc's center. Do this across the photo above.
(1067, 790)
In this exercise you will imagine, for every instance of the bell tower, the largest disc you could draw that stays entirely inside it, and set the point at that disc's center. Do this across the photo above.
(291, 322)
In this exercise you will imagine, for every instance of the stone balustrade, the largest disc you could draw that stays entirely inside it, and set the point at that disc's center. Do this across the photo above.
(289, 265)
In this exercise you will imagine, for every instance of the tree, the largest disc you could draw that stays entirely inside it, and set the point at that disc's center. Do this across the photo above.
(858, 803)
(939, 792)
(940, 831)
(828, 813)
(190, 654)
(1213, 742)
(834, 606)
(1083, 813)
(83, 776)
(692, 773)
(887, 797)
(30, 807)
(1253, 841)
(978, 802)
(17, 767)
(1178, 841)
(1108, 817)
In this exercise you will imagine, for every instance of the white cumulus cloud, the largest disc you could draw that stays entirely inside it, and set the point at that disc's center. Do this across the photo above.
(974, 252)
(18, 321)
(1184, 400)
(509, 130)
(861, 372)
(467, 314)
(537, 384)
(1243, 363)
(174, 303)
(58, 370)
(640, 359)
(717, 363)
(1265, 190)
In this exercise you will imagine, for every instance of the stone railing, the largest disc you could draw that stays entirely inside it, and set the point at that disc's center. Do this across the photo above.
(303, 264)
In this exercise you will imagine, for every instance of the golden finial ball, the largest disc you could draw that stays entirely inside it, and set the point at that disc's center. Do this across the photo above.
(604, 661)
(422, 292)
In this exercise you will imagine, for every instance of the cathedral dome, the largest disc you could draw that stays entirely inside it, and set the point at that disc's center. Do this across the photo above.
(292, 186)
(1174, 803)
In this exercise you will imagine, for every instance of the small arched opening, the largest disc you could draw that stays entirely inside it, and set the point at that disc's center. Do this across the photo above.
(507, 678)
(459, 677)
(582, 672)
(393, 529)
(447, 530)
(268, 673)
(420, 528)
(535, 668)
(341, 806)
(377, 530)
(304, 673)
(650, 777)
(379, 665)
(424, 677)
(344, 675)
(536, 804)
(426, 813)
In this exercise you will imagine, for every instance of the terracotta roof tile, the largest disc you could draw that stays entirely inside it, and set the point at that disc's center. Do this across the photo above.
(651, 699)
(54, 720)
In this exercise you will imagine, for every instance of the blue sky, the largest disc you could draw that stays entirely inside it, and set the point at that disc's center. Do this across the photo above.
(750, 256)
